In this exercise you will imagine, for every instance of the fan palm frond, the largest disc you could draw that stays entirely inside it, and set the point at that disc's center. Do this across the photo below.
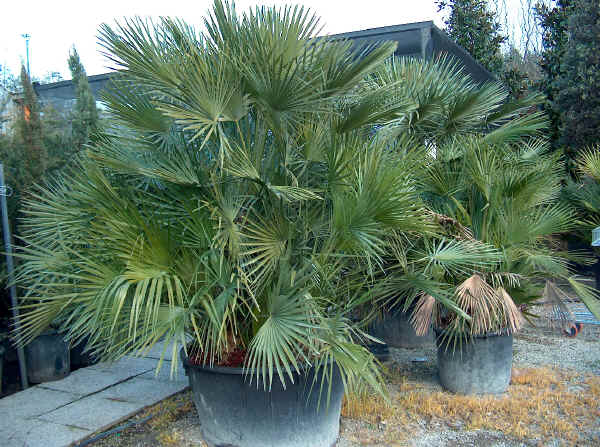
(589, 163)
(460, 256)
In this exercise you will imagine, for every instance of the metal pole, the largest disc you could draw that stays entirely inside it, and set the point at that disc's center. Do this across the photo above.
(11, 277)
(26, 37)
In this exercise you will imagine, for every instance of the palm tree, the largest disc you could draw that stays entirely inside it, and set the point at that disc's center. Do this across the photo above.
(434, 101)
(492, 189)
(583, 192)
(258, 186)
(226, 208)
(505, 195)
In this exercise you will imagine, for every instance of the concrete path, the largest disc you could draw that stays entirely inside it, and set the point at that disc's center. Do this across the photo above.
(89, 400)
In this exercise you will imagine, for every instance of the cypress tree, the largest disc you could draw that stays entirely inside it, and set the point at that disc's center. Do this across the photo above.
(29, 134)
(85, 113)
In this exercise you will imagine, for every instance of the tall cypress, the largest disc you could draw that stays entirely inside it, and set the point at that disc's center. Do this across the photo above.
(85, 112)
(29, 134)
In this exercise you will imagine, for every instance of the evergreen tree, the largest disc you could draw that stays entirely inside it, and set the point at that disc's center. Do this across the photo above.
(554, 22)
(473, 26)
(85, 113)
(578, 82)
(29, 134)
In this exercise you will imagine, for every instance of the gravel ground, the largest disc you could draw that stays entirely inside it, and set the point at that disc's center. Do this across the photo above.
(533, 347)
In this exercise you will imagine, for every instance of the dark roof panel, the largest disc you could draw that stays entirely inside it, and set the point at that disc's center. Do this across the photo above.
(419, 39)
(442, 44)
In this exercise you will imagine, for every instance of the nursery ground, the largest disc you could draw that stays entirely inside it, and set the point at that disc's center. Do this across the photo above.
(552, 401)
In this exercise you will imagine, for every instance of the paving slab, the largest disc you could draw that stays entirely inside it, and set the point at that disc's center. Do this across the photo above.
(128, 364)
(142, 391)
(37, 433)
(155, 351)
(92, 399)
(87, 381)
(164, 374)
(92, 413)
(33, 402)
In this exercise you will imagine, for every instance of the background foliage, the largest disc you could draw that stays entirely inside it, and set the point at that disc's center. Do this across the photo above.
(475, 27)
(577, 85)
(40, 143)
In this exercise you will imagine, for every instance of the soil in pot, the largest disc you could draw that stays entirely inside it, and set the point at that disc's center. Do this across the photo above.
(236, 412)
(396, 330)
(480, 365)
(47, 358)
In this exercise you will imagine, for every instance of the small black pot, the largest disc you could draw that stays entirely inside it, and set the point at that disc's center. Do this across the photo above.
(479, 365)
(236, 413)
(396, 330)
(47, 358)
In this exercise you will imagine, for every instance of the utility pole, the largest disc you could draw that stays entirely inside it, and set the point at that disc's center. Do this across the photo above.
(27, 36)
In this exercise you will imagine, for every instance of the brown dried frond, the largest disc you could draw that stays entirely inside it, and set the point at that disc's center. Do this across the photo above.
(479, 300)
(555, 311)
(425, 312)
(513, 319)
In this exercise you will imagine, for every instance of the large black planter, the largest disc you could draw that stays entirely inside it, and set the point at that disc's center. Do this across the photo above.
(47, 358)
(236, 413)
(396, 330)
(481, 365)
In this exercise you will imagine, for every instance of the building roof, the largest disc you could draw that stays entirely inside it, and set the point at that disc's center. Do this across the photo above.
(65, 90)
(419, 39)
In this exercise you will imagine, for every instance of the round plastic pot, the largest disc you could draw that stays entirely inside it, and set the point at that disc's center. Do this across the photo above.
(480, 365)
(47, 358)
(395, 329)
(236, 413)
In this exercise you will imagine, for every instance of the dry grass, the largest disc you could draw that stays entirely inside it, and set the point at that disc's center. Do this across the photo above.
(169, 438)
(168, 411)
(541, 404)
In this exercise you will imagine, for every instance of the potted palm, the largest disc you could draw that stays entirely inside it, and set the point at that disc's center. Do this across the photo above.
(502, 192)
(232, 209)
(475, 355)
(425, 104)
(491, 188)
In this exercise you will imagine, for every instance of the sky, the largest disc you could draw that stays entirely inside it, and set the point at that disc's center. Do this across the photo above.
(55, 26)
